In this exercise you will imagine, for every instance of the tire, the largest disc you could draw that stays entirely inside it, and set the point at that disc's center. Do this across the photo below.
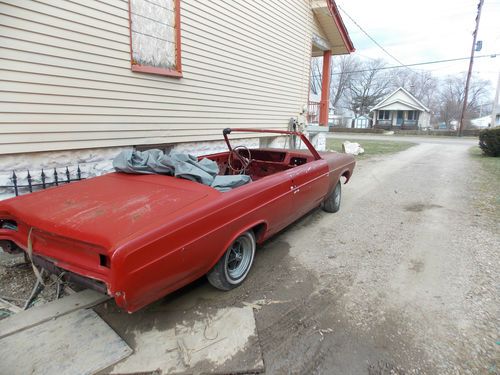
(233, 267)
(332, 202)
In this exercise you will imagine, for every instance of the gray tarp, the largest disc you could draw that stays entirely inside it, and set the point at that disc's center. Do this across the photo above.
(181, 165)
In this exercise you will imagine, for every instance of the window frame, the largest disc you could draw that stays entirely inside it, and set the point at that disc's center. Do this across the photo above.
(383, 111)
(414, 115)
(177, 73)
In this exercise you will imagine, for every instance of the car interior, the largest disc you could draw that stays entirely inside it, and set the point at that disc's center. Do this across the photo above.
(259, 163)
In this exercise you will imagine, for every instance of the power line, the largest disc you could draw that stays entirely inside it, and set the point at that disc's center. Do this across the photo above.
(372, 39)
(493, 55)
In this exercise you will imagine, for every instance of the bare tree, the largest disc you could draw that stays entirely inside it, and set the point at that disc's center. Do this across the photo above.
(420, 84)
(316, 75)
(451, 98)
(343, 72)
(368, 85)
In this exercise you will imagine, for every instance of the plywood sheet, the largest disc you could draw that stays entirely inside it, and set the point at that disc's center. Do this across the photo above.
(76, 343)
(39, 314)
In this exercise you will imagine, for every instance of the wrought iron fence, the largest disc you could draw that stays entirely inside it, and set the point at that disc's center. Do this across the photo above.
(44, 181)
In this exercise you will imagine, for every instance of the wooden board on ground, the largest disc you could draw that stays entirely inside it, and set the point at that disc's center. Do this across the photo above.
(39, 314)
(76, 343)
(221, 342)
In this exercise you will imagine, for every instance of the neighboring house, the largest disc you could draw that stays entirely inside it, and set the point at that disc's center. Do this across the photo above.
(485, 121)
(401, 110)
(82, 81)
(495, 119)
(481, 122)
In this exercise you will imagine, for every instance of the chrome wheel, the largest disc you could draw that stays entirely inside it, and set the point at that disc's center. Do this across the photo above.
(239, 257)
(233, 267)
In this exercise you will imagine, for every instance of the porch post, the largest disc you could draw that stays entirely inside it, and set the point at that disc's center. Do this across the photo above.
(325, 89)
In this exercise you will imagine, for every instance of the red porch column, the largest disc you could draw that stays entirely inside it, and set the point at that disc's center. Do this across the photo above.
(325, 89)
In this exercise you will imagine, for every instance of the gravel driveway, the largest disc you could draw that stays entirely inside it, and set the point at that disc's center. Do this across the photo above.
(403, 280)
(414, 264)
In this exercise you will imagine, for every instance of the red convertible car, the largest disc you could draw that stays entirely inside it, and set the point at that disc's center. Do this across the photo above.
(138, 237)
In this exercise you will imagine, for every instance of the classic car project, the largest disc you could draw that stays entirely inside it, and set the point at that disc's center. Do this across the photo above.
(140, 236)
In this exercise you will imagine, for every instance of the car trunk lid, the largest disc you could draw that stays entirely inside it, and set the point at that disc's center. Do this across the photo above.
(107, 210)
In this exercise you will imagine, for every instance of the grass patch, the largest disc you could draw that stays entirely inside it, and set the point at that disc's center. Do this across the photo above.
(489, 180)
(371, 147)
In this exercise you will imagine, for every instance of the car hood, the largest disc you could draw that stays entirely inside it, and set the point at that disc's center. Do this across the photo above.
(109, 209)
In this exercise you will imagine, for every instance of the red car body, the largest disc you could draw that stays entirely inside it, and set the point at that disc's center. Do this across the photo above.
(140, 237)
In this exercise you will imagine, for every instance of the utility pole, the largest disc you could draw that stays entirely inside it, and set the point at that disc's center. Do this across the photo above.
(466, 94)
(495, 104)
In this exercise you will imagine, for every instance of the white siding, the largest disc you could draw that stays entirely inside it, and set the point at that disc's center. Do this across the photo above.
(397, 107)
(66, 82)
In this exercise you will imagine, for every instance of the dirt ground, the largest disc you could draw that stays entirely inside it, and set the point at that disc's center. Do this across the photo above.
(17, 281)
(402, 280)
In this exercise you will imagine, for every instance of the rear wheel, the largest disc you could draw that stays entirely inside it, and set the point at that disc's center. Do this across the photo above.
(232, 269)
(332, 202)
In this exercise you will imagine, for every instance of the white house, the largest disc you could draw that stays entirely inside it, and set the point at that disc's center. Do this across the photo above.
(481, 122)
(82, 81)
(401, 110)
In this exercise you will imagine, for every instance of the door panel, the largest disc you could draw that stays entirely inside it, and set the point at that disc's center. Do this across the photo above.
(310, 185)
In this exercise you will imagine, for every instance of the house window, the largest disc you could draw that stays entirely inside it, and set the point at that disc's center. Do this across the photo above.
(155, 36)
(413, 115)
(384, 115)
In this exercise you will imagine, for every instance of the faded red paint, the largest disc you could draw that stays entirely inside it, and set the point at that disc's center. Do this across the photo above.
(158, 233)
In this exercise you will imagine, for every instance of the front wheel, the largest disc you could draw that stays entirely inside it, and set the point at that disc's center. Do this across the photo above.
(233, 267)
(332, 202)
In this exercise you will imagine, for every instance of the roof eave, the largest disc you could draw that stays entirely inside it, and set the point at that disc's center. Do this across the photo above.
(334, 11)
(418, 108)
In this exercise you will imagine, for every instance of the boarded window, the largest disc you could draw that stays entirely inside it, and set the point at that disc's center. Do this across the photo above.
(155, 36)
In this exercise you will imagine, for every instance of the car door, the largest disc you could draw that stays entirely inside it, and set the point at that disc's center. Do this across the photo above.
(277, 193)
(310, 184)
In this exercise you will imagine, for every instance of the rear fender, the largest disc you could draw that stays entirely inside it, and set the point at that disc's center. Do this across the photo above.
(235, 236)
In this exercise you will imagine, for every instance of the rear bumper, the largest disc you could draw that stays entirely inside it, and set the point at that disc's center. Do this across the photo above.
(66, 275)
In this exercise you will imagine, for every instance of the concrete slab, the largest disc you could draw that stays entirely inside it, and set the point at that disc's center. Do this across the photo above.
(221, 342)
(76, 343)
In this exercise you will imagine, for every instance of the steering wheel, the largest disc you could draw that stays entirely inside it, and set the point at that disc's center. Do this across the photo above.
(236, 154)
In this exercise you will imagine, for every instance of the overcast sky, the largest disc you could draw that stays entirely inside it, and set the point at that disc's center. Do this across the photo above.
(425, 30)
